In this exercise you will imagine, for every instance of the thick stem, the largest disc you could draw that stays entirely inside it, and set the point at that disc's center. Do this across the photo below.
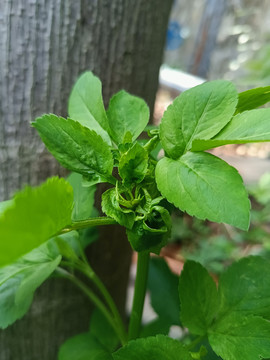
(139, 295)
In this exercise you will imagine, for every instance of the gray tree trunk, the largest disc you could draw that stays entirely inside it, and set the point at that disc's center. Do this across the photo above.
(44, 46)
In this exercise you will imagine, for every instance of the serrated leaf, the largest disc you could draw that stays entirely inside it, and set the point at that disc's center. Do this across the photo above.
(111, 207)
(76, 147)
(19, 281)
(36, 215)
(83, 347)
(198, 298)
(237, 337)
(247, 127)
(251, 277)
(133, 165)
(153, 348)
(206, 187)
(126, 113)
(252, 99)
(198, 113)
(163, 283)
(86, 104)
(102, 330)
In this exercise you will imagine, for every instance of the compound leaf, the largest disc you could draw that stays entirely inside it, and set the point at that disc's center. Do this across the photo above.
(126, 113)
(206, 187)
(198, 113)
(86, 104)
(159, 347)
(198, 298)
(35, 216)
(76, 147)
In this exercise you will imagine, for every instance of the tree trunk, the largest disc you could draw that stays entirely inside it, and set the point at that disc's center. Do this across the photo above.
(44, 46)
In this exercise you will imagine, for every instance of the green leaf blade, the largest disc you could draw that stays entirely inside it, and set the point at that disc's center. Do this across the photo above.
(86, 105)
(198, 113)
(246, 127)
(36, 215)
(198, 298)
(252, 99)
(153, 348)
(206, 187)
(236, 337)
(76, 147)
(126, 113)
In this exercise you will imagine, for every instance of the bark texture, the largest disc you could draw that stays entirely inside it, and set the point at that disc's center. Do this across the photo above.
(44, 46)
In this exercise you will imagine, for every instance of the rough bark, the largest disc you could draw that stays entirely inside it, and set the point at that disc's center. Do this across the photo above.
(44, 45)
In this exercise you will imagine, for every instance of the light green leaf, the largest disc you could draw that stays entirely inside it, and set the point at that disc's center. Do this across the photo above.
(86, 105)
(111, 207)
(19, 281)
(76, 147)
(84, 197)
(198, 113)
(206, 187)
(83, 347)
(153, 348)
(37, 214)
(102, 330)
(198, 298)
(162, 283)
(133, 165)
(4, 205)
(247, 127)
(252, 99)
(251, 277)
(236, 337)
(126, 113)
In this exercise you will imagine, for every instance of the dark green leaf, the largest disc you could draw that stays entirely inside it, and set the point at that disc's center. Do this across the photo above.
(111, 207)
(198, 298)
(206, 187)
(35, 216)
(252, 99)
(133, 165)
(162, 283)
(247, 127)
(86, 104)
(76, 147)
(103, 331)
(126, 113)
(237, 337)
(153, 348)
(198, 113)
(83, 347)
(19, 281)
(156, 327)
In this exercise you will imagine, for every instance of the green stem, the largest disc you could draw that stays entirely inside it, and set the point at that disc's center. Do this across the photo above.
(195, 342)
(95, 300)
(139, 295)
(82, 224)
(86, 269)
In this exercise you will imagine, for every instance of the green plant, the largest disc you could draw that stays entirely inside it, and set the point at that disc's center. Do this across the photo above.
(47, 222)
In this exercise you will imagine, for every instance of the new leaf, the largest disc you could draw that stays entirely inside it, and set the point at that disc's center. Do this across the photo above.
(76, 147)
(36, 215)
